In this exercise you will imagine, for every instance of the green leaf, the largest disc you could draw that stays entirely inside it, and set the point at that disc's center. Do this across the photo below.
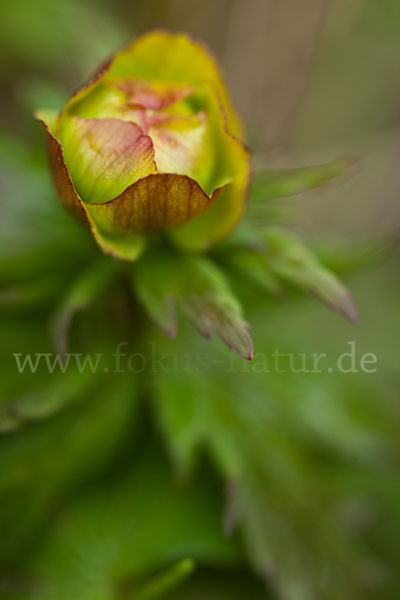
(288, 182)
(296, 448)
(277, 257)
(45, 460)
(85, 290)
(164, 281)
(290, 260)
(47, 396)
(166, 581)
(114, 540)
(17, 295)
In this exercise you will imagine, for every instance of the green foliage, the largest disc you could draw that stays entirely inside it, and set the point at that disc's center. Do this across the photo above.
(90, 285)
(277, 257)
(164, 280)
(303, 454)
(280, 484)
(268, 185)
(42, 463)
(284, 462)
(107, 542)
(167, 580)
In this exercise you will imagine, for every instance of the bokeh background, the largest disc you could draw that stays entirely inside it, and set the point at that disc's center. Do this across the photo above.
(320, 505)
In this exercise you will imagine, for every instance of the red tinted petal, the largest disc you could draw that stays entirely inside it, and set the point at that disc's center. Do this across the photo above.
(153, 95)
(105, 156)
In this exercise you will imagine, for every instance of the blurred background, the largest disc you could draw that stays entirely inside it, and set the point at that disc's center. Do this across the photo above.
(320, 503)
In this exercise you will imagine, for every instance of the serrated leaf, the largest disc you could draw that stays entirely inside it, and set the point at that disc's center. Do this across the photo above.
(194, 284)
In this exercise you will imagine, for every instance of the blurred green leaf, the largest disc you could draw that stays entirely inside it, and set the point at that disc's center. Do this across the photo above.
(302, 451)
(45, 460)
(290, 260)
(90, 285)
(110, 543)
(267, 185)
(276, 257)
(170, 579)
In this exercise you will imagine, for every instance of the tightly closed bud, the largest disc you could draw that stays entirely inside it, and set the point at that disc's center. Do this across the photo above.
(151, 143)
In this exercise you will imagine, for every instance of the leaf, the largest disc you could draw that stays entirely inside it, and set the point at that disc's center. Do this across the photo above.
(85, 290)
(163, 281)
(249, 263)
(296, 447)
(17, 295)
(42, 399)
(164, 582)
(46, 460)
(288, 182)
(114, 540)
(292, 262)
(276, 257)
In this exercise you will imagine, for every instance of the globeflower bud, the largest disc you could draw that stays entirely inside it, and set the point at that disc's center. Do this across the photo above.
(152, 143)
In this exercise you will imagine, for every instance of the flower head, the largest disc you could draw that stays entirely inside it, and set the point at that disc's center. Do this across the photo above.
(151, 143)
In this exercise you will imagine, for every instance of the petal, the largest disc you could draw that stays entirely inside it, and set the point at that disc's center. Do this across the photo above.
(178, 145)
(105, 156)
(95, 101)
(176, 58)
(232, 170)
(84, 89)
(127, 247)
(156, 202)
(151, 94)
(48, 117)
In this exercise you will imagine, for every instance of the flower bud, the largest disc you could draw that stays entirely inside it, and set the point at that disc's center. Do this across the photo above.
(151, 143)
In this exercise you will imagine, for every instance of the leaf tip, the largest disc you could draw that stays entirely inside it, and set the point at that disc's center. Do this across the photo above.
(246, 348)
(348, 307)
